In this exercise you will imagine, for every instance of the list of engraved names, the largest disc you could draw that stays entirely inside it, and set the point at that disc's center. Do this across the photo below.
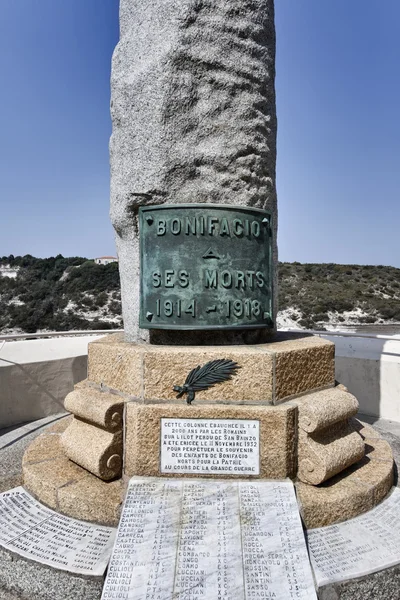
(363, 545)
(36, 532)
(207, 539)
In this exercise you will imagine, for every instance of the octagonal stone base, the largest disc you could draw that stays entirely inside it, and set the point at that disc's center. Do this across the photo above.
(291, 365)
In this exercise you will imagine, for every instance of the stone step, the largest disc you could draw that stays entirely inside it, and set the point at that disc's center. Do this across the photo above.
(61, 484)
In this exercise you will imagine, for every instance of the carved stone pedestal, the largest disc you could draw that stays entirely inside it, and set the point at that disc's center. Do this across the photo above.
(127, 421)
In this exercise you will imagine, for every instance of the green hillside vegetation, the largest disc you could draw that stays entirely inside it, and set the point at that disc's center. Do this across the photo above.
(40, 296)
(318, 290)
(61, 294)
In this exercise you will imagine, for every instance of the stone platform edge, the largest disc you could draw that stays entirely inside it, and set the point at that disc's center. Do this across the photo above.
(64, 486)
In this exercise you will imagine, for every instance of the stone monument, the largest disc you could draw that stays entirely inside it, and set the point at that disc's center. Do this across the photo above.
(194, 121)
(193, 204)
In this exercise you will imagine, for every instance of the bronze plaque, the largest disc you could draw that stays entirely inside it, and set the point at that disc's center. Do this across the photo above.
(205, 266)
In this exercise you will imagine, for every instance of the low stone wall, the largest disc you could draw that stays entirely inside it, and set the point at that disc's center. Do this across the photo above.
(36, 376)
(370, 369)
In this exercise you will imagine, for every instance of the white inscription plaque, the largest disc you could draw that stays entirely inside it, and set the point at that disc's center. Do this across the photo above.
(363, 545)
(36, 532)
(210, 446)
(208, 539)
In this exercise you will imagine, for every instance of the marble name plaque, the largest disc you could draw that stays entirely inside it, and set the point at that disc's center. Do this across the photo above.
(363, 545)
(210, 446)
(36, 532)
(193, 539)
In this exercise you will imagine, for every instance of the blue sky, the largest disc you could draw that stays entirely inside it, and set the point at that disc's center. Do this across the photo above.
(338, 99)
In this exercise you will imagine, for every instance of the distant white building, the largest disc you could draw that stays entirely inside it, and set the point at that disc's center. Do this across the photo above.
(105, 260)
(8, 271)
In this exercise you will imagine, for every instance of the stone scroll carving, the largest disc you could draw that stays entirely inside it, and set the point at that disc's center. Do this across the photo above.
(328, 442)
(324, 409)
(94, 440)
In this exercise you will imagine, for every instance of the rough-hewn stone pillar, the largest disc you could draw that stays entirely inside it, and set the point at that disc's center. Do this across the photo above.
(194, 120)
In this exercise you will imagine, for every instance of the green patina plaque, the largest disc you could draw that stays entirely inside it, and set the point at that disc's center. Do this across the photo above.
(205, 266)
